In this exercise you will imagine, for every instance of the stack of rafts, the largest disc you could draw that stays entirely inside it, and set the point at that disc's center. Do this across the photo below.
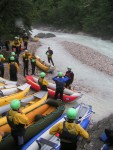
(7, 95)
(68, 96)
(39, 118)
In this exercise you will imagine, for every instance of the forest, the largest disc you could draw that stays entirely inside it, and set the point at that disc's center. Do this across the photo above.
(94, 17)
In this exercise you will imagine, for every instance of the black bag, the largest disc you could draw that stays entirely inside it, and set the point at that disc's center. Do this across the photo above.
(66, 135)
(13, 67)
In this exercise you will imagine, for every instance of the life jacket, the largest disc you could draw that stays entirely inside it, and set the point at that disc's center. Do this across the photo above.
(16, 43)
(26, 58)
(25, 38)
(67, 135)
(11, 122)
(13, 67)
(42, 84)
(69, 74)
(49, 53)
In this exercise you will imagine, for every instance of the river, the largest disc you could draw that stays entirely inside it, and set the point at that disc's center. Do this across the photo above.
(101, 95)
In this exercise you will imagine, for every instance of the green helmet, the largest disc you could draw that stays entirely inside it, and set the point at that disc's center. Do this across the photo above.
(60, 74)
(13, 53)
(32, 60)
(69, 67)
(15, 104)
(42, 74)
(1, 56)
(16, 37)
(71, 113)
(26, 50)
(12, 58)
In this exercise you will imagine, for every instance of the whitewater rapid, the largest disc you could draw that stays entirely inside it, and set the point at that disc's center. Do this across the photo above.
(101, 95)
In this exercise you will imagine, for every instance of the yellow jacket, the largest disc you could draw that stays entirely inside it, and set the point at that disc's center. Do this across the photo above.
(16, 43)
(78, 130)
(0, 138)
(28, 54)
(43, 81)
(2, 59)
(25, 39)
(20, 40)
(18, 118)
(17, 67)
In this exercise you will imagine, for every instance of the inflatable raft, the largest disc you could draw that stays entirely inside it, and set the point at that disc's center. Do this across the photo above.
(3, 86)
(39, 118)
(5, 81)
(45, 141)
(13, 93)
(28, 103)
(43, 65)
(68, 96)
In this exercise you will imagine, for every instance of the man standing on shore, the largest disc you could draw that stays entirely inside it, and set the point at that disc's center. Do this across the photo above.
(49, 54)
(70, 75)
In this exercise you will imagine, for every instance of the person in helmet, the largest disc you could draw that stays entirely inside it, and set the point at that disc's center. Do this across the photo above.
(33, 63)
(15, 56)
(42, 82)
(20, 40)
(49, 54)
(13, 69)
(69, 131)
(2, 59)
(25, 40)
(60, 81)
(26, 57)
(16, 45)
(70, 75)
(17, 121)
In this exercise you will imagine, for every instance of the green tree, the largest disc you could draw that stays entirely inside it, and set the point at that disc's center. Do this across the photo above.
(14, 13)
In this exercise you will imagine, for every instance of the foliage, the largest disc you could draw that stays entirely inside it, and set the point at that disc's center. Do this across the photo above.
(13, 14)
(92, 16)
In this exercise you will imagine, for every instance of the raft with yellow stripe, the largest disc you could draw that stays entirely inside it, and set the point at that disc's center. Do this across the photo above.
(39, 118)
(28, 103)
(20, 92)
(5, 81)
(68, 96)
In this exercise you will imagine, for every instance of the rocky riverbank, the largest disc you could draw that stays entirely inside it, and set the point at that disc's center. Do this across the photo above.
(91, 58)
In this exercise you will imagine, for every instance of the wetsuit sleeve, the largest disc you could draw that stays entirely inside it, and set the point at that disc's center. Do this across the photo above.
(82, 132)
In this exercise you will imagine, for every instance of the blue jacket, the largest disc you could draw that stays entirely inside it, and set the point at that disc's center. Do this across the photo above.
(60, 81)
